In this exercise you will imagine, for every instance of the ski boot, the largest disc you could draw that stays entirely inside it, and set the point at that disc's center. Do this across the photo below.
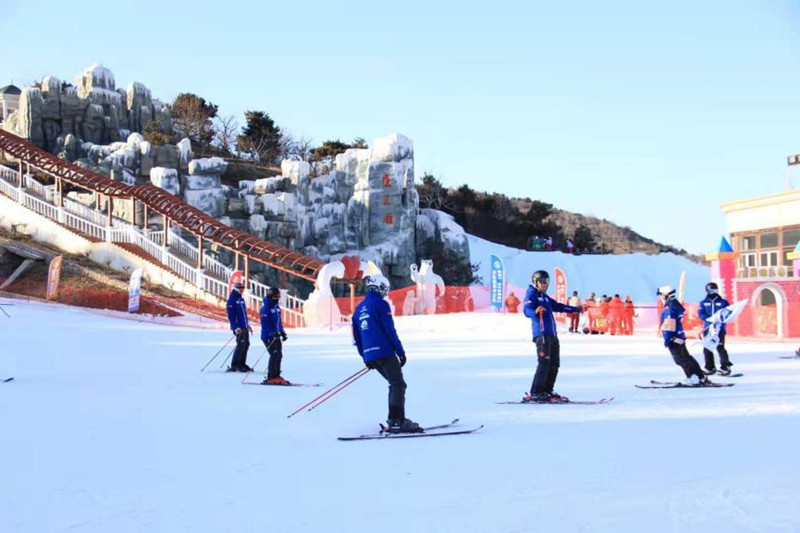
(405, 425)
(276, 381)
(557, 398)
(536, 398)
(724, 372)
(710, 371)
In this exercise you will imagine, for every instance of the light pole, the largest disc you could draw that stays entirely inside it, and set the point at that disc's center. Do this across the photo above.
(791, 161)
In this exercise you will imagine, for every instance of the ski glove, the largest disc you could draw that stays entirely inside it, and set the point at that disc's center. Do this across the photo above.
(284, 336)
(402, 358)
(238, 331)
(677, 340)
(371, 365)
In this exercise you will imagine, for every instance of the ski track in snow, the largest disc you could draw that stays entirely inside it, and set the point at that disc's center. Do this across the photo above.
(110, 426)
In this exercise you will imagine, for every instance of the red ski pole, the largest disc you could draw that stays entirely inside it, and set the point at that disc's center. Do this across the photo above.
(340, 389)
(332, 390)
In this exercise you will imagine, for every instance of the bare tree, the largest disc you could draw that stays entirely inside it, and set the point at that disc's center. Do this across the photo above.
(227, 130)
(297, 149)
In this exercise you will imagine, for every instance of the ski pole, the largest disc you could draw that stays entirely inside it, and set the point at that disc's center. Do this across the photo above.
(331, 390)
(253, 368)
(216, 354)
(340, 389)
(227, 357)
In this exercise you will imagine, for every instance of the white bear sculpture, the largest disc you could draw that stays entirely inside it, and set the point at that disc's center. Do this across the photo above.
(430, 286)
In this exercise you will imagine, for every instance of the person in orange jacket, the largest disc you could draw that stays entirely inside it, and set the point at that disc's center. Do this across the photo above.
(615, 314)
(512, 303)
(628, 312)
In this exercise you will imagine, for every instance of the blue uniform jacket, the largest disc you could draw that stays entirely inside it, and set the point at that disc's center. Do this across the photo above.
(373, 329)
(672, 322)
(546, 326)
(270, 319)
(709, 306)
(237, 310)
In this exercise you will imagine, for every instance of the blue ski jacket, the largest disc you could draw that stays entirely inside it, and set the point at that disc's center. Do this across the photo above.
(546, 325)
(709, 306)
(672, 322)
(270, 319)
(373, 329)
(237, 310)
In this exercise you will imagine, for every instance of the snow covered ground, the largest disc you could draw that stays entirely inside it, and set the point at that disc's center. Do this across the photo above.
(109, 426)
(637, 275)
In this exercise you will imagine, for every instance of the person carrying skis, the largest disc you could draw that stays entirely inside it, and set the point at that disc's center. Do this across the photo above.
(378, 344)
(237, 316)
(675, 337)
(273, 336)
(712, 303)
(539, 307)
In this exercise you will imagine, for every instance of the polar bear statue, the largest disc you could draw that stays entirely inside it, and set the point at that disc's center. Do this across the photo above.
(429, 287)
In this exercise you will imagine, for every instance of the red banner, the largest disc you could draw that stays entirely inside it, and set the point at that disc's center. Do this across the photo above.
(236, 277)
(53, 277)
(561, 292)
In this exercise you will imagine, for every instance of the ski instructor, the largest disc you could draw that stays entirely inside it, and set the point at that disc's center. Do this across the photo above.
(380, 347)
(539, 307)
(675, 337)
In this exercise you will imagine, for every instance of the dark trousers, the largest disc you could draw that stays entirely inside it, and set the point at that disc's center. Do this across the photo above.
(389, 368)
(724, 362)
(275, 349)
(682, 358)
(239, 358)
(548, 355)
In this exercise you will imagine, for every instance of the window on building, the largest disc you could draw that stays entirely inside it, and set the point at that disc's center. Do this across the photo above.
(749, 242)
(767, 297)
(748, 260)
(786, 261)
(791, 237)
(769, 240)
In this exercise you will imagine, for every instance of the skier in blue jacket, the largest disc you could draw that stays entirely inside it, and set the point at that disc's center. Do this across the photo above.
(378, 344)
(539, 307)
(237, 316)
(273, 336)
(675, 337)
(712, 303)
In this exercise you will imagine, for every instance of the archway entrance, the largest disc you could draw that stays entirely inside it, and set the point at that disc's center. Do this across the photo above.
(768, 310)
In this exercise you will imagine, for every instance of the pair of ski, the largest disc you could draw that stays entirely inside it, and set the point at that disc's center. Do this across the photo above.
(7, 380)
(678, 385)
(430, 431)
(602, 401)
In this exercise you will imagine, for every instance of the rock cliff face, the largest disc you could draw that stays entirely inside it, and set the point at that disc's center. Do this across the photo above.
(361, 202)
(92, 110)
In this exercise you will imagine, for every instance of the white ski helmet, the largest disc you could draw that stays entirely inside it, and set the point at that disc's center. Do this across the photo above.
(377, 282)
(667, 292)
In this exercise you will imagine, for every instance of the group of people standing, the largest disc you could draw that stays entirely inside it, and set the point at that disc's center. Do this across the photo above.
(380, 348)
(273, 335)
(604, 314)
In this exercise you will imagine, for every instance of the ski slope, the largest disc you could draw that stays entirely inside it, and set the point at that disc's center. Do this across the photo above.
(110, 427)
(636, 275)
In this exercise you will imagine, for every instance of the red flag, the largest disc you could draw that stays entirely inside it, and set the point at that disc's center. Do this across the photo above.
(53, 277)
(236, 277)
(561, 292)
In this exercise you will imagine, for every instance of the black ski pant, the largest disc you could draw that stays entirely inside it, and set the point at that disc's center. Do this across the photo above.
(239, 359)
(548, 355)
(389, 368)
(682, 358)
(275, 349)
(724, 361)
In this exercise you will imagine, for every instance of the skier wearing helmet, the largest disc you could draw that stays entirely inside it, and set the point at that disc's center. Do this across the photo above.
(273, 336)
(712, 303)
(539, 307)
(378, 344)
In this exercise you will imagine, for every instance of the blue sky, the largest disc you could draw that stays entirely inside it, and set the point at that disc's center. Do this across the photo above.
(648, 114)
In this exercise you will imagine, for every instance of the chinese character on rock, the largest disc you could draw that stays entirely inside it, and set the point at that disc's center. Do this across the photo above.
(387, 180)
(388, 219)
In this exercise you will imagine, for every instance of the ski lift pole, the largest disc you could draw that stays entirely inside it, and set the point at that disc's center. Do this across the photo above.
(216, 354)
(330, 392)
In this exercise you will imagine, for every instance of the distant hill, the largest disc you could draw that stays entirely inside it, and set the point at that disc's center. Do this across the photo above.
(516, 222)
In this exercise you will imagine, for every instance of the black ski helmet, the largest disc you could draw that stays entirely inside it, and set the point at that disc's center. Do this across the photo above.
(274, 293)
(540, 275)
(711, 286)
